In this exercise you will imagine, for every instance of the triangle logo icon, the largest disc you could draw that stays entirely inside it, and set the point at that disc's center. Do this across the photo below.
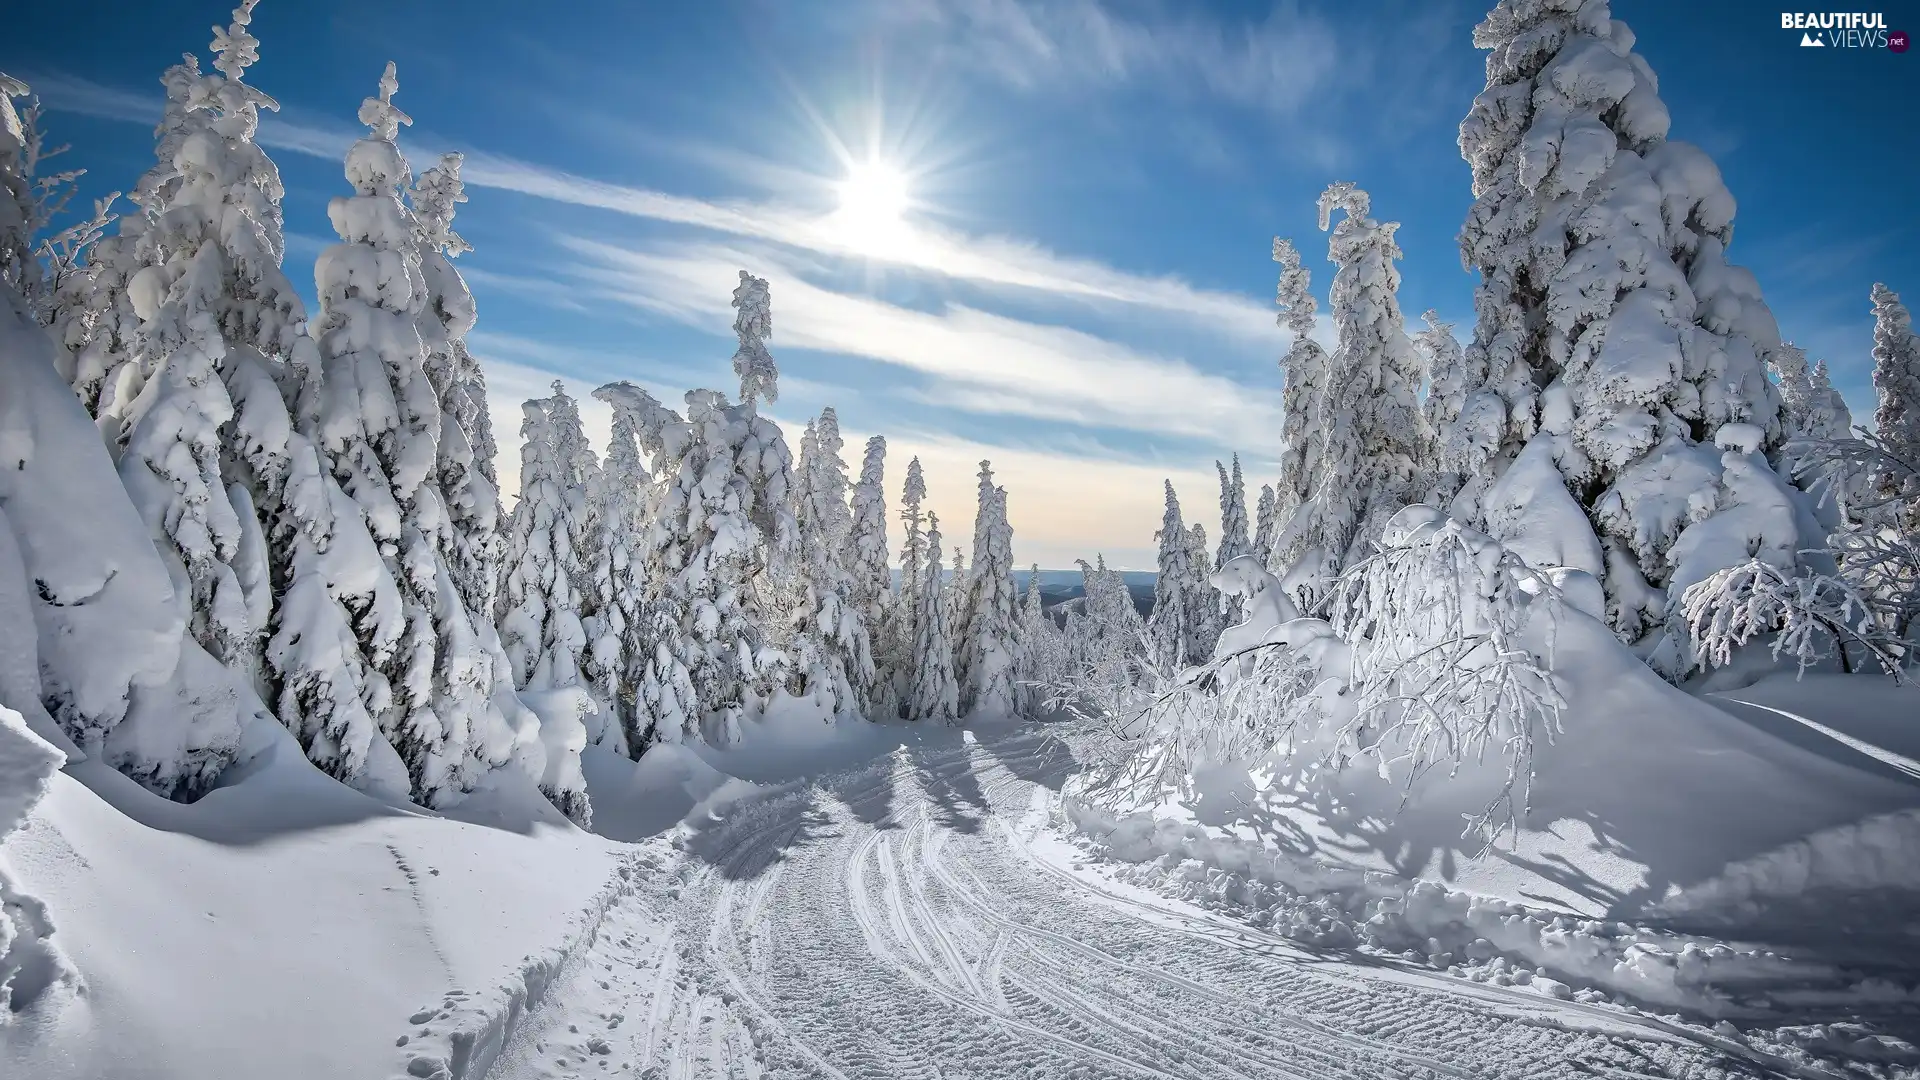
(1808, 41)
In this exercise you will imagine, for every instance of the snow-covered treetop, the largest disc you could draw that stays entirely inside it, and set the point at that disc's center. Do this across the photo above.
(235, 49)
(759, 378)
(1294, 294)
(380, 113)
(648, 417)
(435, 196)
(915, 488)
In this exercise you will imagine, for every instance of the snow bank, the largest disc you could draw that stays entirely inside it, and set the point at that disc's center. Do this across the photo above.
(286, 925)
(30, 964)
(104, 606)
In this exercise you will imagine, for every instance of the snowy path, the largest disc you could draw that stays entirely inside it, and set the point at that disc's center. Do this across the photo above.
(897, 921)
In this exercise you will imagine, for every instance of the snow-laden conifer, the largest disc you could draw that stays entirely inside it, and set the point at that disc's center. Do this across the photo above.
(1303, 431)
(1234, 541)
(935, 696)
(913, 556)
(723, 522)
(989, 652)
(617, 641)
(759, 378)
(829, 637)
(1178, 592)
(1896, 374)
(1266, 527)
(872, 576)
(1377, 438)
(464, 468)
(655, 647)
(539, 591)
(1610, 325)
(1044, 655)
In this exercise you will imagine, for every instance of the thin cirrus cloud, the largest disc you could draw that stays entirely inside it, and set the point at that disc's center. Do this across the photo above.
(982, 362)
(1275, 64)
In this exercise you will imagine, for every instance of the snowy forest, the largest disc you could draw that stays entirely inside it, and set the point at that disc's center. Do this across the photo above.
(260, 587)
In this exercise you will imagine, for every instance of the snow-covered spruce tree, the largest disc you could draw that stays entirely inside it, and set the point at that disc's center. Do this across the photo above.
(18, 201)
(935, 696)
(655, 647)
(723, 522)
(1896, 384)
(617, 638)
(1466, 425)
(1044, 659)
(989, 651)
(759, 378)
(464, 467)
(1266, 528)
(871, 592)
(211, 280)
(1205, 617)
(1610, 325)
(108, 366)
(1377, 438)
(1176, 640)
(828, 637)
(1304, 397)
(1234, 541)
(380, 422)
(539, 598)
(913, 556)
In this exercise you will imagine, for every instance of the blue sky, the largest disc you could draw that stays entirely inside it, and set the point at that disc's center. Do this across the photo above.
(1082, 291)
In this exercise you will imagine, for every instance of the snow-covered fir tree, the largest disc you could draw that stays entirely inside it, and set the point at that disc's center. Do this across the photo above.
(1610, 326)
(990, 643)
(1108, 629)
(913, 556)
(108, 366)
(1180, 592)
(381, 421)
(1377, 437)
(1896, 374)
(1303, 430)
(724, 521)
(1266, 528)
(656, 648)
(1234, 541)
(753, 325)
(935, 695)
(1466, 426)
(211, 277)
(539, 595)
(828, 639)
(464, 468)
(1205, 616)
(617, 644)
(871, 587)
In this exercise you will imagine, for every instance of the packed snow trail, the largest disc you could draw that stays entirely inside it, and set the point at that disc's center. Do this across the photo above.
(896, 922)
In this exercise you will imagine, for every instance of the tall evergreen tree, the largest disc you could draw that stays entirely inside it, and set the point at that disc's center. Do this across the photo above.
(871, 592)
(539, 594)
(1266, 525)
(759, 378)
(913, 557)
(990, 647)
(1896, 374)
(1377, 438)
(1303, 429)
(935, 695)
(833, 661)
(1177, 593)
(1615, 340)
(1234, 541)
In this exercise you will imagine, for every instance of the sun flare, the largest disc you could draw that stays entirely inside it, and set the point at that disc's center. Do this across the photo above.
(873, 203)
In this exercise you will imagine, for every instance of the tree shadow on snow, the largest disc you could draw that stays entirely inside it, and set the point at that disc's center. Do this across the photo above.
(743, 840)
(1032, 752)
(945, 774)
(867, 793)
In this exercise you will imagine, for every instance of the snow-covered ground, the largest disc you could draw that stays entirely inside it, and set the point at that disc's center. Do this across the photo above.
(889, 901)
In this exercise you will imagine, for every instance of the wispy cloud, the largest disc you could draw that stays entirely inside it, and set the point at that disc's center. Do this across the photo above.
(980, 362)
(1273, 64)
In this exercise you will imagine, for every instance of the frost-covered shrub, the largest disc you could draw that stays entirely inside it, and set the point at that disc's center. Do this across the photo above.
(1438, 653)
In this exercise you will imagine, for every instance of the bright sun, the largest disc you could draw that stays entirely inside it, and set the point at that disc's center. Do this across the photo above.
(873, 200)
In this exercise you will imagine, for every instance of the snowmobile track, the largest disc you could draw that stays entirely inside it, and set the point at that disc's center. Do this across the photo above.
(897, 921)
